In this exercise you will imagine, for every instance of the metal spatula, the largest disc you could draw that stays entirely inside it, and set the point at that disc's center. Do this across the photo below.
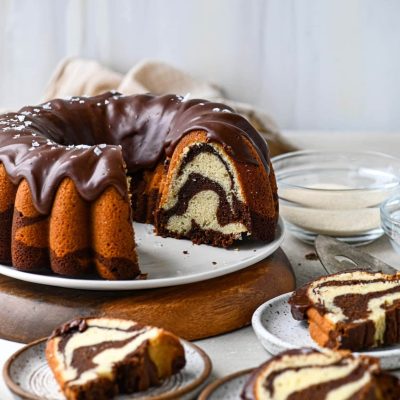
(337, 256)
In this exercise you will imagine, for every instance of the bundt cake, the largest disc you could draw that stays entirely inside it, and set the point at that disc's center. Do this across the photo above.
(73, 173)
(307, 374)
(99, 358)
(351, 310)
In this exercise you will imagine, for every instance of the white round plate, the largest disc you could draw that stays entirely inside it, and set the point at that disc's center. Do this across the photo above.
(168, 262)
(28, 376)
(278, 331)
(227, 388)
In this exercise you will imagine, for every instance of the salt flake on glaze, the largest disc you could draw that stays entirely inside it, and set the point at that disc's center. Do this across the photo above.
(186, 97)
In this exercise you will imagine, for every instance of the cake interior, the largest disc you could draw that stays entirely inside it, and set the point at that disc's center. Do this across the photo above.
(104, 356)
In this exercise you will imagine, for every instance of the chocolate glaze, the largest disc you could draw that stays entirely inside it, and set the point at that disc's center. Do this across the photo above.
(76, 325)
(43, 144)
(80, 325)
(300, 303)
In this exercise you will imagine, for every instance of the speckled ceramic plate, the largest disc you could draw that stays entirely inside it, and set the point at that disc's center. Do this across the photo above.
(227, 388)
(278, 331)
(168, 262)
(28, 376)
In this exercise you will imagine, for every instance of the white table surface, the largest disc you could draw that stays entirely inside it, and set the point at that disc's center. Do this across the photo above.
(240, 349)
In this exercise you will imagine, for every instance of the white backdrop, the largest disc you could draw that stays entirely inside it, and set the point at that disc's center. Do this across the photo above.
(312, 64)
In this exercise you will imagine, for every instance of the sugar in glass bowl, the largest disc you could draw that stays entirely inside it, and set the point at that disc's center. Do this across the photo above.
(335, 193)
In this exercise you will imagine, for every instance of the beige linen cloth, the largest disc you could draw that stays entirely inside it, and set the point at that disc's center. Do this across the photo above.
(76, 76)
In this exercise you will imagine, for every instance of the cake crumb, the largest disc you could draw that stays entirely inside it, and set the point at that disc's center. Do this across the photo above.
(311, 257)
(214, 263)
(185, 252)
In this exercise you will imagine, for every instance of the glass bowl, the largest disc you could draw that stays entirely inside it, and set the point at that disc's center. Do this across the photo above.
(390, 220)
(335, 193)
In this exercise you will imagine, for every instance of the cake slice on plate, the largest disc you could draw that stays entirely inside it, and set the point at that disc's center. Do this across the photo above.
(98, 358)
(307, 374)
(351, 310)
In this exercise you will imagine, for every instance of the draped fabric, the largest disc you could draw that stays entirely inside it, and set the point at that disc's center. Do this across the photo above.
(311, 64)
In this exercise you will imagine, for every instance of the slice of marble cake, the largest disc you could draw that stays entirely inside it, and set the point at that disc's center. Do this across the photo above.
(351, 310)
(98, 358)
(209, 197)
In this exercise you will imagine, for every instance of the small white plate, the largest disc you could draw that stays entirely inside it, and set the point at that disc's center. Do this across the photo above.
(168, 262)
(28, 376)
(278, 331)
(227, 388)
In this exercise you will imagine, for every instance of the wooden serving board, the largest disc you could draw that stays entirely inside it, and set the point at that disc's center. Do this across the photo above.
(198, 310)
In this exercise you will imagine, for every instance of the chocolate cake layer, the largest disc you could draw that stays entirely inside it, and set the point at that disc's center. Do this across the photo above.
(30, 258)
(6, 218)
(75, 263)
(118, 267)
(360, 308)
